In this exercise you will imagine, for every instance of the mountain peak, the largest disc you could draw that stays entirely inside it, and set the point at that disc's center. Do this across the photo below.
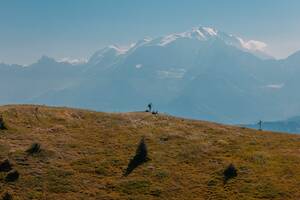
(205, 31)
(198, 33)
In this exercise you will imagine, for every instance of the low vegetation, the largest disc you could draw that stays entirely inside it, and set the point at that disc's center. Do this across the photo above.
(5, 166)
(12, 176)
(2, 124)
(80, 154)
(229, 173)
(7, 196)
(34, 149)
(141, 156)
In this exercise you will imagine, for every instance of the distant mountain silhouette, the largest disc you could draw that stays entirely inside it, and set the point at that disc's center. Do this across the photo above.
(202, 73)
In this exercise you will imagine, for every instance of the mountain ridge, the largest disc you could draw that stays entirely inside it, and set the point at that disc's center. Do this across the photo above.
(184, 76)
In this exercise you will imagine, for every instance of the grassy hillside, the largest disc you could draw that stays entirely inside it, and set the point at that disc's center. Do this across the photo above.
(84, 155)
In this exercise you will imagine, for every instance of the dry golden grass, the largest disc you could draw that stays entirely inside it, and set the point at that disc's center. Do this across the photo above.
(85, 153)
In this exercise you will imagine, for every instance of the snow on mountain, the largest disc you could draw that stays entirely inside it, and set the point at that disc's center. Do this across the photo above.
(73, 61)
(202, 34)
(108, 53)
(253, 45)
(206, 33)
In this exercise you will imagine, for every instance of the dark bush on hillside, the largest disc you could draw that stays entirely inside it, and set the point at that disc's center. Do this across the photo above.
(229, 173)
(12, 176)
(2, 124)
(34, 148)
(7, 196)
(141, 156)
(5, 166)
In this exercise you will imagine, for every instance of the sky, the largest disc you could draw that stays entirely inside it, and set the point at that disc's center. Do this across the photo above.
(75, 29)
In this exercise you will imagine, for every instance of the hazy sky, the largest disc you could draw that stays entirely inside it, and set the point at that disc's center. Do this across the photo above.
(77, 28)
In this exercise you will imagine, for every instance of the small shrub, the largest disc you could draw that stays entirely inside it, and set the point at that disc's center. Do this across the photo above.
(141, 156)
(34, 148)
(12, 176)
(229, 173)
(5, 166)
(7, 196)
(2, 124)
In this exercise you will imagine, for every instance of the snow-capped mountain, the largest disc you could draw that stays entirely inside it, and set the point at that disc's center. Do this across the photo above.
(201, 73)
(208, 34)
(196, 36)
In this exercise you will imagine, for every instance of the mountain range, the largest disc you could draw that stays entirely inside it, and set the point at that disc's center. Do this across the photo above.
(202, 73)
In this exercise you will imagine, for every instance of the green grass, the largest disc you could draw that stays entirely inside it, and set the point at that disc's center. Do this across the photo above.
(85, 153)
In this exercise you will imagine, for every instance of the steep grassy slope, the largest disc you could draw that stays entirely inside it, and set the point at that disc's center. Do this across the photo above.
(84, 155)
